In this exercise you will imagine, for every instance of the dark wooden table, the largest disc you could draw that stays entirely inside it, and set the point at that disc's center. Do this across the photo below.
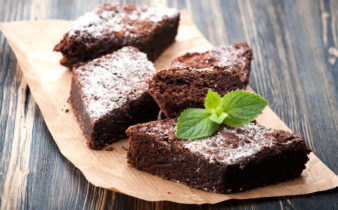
(295, 67)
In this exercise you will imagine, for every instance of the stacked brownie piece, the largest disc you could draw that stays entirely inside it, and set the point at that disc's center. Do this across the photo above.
(177, 89)
(110, 93)
(232, 160)
(191, 75)
(112, 26)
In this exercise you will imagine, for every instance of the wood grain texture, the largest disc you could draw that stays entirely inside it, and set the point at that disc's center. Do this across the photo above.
(295, 46)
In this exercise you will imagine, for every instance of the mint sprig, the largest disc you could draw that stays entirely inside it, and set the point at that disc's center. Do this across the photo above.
(234, 109)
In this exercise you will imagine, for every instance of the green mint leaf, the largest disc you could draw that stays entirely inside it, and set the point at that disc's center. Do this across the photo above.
(242, 107)
(212, 101)
(234, 109)
(194, 123)
(218, 118)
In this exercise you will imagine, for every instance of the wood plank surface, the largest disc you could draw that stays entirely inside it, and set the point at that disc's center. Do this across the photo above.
(295, 67)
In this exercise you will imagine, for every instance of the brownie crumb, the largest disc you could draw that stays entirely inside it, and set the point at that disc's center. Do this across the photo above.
(109, 148)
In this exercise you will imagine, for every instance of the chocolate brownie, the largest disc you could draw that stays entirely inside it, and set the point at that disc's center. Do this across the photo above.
(238, 54)
(176, 89)
(112, 26)
(232, 160)
(110, 93)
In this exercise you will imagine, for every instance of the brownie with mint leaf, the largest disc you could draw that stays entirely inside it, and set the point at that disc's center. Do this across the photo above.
(218, 149)
(232, 160)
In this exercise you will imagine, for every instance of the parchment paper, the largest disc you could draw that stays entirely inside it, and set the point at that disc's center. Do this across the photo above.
(49, 82)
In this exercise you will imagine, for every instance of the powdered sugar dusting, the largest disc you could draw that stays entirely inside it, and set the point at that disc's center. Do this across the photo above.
(110, 82)
(205, 69)
(236, 55)
(219, 56)
(231, 145)
(229, 55)
(110, 19)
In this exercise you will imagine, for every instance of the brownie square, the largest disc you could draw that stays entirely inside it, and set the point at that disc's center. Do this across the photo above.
(110, 93)
(110, 27)
(232, 160)
(176, 89)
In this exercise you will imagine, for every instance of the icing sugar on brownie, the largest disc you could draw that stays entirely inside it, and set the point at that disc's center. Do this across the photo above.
(109, 82)
(111, 26)
(228, 55)
(219, 56)
(239, 55)
(231, 145)
(115, 18)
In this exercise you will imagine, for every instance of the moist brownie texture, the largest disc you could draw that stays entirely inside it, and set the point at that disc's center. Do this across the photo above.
(176, 89)
(112, 26)
(232, 160)
(110, 93)
(238, 54)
